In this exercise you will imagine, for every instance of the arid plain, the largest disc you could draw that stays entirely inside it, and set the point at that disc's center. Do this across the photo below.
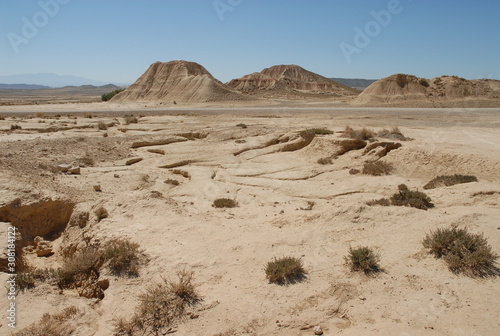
(158, 170)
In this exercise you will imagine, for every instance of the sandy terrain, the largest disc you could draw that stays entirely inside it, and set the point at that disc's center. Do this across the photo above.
(227, 249)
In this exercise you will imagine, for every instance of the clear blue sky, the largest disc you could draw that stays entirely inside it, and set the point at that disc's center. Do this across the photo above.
(116, 40)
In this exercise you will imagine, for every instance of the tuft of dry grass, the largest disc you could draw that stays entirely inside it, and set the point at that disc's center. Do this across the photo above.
(286, 270)
(362, 134)
(60, 324)
(449, 180)
(464, 252)
(363, 259)
(377, 168)
(15, 127)
(160, 307)
(225, 203)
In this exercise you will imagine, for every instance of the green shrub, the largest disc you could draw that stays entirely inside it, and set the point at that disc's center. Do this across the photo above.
(464, 252)
(123, 256)
(109, 95)
(449, 180)
(225, 203)
(415, 199)
(285, 270)
(364, 259)
(377, 168)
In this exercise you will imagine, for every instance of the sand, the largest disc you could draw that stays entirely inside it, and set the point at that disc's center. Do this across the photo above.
(228, 249)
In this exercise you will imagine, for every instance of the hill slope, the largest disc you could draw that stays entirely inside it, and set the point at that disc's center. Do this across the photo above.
(178, 81)
(291, 82)
(445, 91)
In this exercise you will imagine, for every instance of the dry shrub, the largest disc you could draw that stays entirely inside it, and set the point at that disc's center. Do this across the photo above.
(14, 127)
(364, 259)
(101, 213)
(354, 171)
(415, 199)
(363, 134)
(130, 119)
(160, 307)
(377, 168)
(449, 180)
(242, 125)
(286, 270)
(382, 202)
(325, 160)
(464, 252)
(349, 145)
(61, 324)
(101, 126)
(28, 278)
(225, 203)
(81, 267)
(172, 182)
(123, 256)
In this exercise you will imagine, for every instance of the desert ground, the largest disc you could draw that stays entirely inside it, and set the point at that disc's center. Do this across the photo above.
(288, 205)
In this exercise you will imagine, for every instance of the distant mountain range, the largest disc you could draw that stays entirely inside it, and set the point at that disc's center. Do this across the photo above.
(357, 83)
(50, 80)
(44, 80)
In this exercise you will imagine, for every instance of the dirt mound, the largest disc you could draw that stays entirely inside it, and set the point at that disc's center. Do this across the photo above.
(446, 91)
(178, 81)
(290, 81)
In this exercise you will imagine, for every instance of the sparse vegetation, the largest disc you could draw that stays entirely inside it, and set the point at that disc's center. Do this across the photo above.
(364, 259)
(225, 203)
(61, 324)
(242, 125)
(285, 270)
(449, 180)
(162, 305)
(101, 213)
(109, 95)
(362, 134)
(377, 168)
(354, 171)
(319, 131)
(123, 256)
(102, 126)
(415, 199)
(15, 127)
(464, 252)
(423, 82)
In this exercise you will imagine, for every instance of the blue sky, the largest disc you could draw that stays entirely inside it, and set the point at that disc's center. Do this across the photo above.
(116, 40)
